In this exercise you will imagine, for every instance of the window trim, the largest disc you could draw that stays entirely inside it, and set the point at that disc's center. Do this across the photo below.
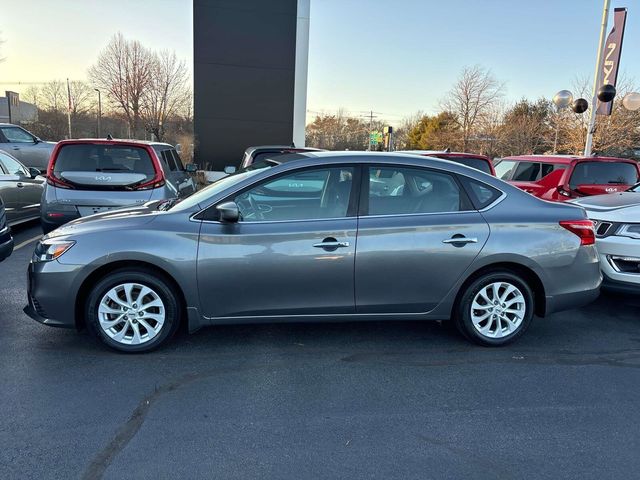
(363, 211)
(352, 207)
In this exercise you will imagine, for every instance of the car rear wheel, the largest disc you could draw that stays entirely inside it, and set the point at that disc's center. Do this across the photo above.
(132, 311)
(495, 309)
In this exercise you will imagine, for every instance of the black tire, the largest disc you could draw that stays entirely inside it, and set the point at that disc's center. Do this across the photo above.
(147, 278)
(463, 310)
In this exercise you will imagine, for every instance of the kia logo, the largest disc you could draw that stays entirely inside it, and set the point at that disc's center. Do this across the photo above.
(611, 189)
(103, 178)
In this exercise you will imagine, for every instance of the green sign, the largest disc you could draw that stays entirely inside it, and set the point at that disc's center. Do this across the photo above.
(375, 138)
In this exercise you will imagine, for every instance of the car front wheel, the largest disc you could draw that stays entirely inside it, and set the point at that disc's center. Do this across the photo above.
(132, 311)
(495, 309)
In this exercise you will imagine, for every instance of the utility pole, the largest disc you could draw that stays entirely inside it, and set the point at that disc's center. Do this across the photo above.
(370, 116)
(596, 79)
(69, 107)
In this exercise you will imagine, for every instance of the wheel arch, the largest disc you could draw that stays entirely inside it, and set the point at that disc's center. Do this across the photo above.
(527, 273)
(108, 268)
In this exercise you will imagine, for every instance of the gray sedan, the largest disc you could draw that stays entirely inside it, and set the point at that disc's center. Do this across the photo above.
(320, 237)
(21, 190)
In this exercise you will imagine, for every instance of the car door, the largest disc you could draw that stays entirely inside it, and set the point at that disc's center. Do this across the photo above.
(417, 234)
(29, 190)
(10, 193)
(18, 142)
(292, 251)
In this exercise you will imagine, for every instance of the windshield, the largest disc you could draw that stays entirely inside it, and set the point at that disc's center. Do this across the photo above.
(604, 173)
(504, 169)
(202, 196)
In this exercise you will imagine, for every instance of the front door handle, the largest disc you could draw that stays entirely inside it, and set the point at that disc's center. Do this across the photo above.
(331, 244)
(461, 239)
(19, 185)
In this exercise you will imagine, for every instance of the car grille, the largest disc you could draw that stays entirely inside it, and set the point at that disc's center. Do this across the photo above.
(625, 264)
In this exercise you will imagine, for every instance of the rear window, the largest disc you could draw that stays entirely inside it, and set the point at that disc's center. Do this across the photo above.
(477, 163)
(104, 158)
(603, 173)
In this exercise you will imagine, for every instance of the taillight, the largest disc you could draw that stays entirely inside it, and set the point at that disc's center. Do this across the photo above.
(158, 179)
(566, 193)
(582, 228)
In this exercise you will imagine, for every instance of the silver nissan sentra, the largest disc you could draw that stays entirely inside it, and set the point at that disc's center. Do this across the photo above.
(320, 237)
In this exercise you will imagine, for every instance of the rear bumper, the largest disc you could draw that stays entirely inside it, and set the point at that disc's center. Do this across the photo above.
(568, 301)
(52, 220)
(6, 243)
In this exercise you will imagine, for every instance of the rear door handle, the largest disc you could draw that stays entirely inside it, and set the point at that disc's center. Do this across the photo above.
(461, 240)
(331, 244)
(19, 185)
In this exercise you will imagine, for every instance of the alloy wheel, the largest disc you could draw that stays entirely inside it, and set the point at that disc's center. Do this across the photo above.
(498, 310)
(131, 313)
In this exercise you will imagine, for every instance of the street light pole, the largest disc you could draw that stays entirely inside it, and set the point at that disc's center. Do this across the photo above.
(596, 79)
(99, 110)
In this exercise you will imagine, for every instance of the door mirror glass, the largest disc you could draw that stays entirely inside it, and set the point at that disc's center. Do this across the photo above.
(229, 169)
(34, 172)
(191, 167)
(228, 212)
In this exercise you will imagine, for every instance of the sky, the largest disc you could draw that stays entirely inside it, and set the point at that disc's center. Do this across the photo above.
(395, 57)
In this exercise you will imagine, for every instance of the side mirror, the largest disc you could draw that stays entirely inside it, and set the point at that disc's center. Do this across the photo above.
(229, 169)
(34, 172)
(228, 212)
(191, 168)
(36, 140)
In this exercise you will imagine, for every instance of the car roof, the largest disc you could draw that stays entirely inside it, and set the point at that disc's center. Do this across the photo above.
(251, 150)
(443, 153)
(115, 141)
(565, 159)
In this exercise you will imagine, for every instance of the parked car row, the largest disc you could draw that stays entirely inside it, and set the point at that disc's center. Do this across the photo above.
(347, 236)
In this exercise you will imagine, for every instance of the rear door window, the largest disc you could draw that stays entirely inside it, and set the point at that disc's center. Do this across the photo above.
(119, 165)
(527, 172)
(603, 173)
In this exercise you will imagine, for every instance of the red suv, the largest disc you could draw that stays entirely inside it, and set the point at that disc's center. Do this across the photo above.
(479, 162)
(563, 177)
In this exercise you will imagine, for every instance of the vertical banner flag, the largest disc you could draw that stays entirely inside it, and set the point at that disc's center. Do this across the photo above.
(611, 57)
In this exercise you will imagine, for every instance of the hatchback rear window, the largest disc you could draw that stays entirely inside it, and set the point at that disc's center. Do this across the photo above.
(121, 164)
(477, 163)
(603, 173)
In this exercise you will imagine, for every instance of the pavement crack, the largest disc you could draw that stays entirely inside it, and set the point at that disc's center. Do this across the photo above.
(103, 459)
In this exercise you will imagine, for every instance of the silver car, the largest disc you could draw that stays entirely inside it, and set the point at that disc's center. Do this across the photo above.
(90, 176)
(25, 146)
(320, 237)
(617, 224)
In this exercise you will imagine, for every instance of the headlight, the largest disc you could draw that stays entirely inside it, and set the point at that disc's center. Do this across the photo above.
(631, 230)
(47, 250)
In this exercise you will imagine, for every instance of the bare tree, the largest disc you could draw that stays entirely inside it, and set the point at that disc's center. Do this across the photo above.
(167, 92)
(472, 98)
(53, 96)
(82, 97)
(124, 70)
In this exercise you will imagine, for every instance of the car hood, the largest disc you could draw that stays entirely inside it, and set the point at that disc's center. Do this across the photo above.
(128, 217)
(614, 207)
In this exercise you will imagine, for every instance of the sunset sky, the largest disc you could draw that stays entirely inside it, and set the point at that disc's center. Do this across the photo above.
(392, 57)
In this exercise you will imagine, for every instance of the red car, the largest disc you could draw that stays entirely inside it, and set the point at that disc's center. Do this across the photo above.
(479, 162)
(564, 177)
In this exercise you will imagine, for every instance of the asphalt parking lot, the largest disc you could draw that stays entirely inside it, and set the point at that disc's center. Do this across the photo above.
(357, 400)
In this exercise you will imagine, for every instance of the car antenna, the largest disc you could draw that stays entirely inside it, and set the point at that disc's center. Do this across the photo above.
(109, 137)
(447, 150)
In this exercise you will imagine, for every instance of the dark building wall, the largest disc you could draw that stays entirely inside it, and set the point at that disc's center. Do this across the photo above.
(244, 67)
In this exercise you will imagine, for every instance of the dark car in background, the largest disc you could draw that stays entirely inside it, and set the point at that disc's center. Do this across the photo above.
(6, 240)
(90, 176)
(564, 177)
(255, 154)
(25, 146)
(21, 190)
(479, 162)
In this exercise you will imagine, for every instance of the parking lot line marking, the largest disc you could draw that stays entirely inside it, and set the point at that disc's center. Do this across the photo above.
(26, 242)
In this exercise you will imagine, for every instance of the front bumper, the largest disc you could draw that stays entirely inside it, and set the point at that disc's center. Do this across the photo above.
(6, 243)
(615, 246)
(51, 293)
